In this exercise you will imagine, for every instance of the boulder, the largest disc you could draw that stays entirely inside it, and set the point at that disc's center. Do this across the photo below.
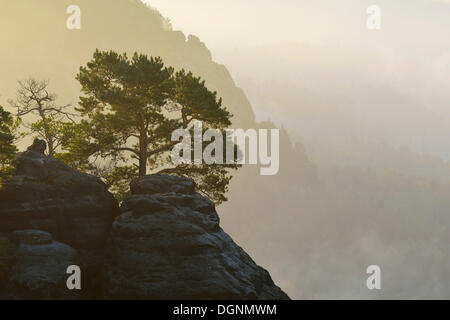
(39, 268)
(46, 194)
(168, 244)
(158, 183)
(38, 146)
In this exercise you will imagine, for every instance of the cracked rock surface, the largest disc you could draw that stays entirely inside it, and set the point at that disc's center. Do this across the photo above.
(169, 245)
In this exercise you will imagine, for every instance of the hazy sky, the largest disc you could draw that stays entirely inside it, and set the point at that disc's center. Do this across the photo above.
(251, 38)
(248, 22)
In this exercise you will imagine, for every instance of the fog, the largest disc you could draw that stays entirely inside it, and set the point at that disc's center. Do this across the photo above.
(364, 163)
(370, 108)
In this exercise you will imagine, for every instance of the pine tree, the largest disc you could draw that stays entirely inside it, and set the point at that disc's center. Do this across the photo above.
(131, 107)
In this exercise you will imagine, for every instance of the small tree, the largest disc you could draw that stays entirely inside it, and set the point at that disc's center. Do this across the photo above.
(7, 147)
(34, 99)
(132, 106)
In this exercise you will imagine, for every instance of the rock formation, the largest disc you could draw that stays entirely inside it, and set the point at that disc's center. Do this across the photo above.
(75, 208)
(39, 270)
(38, 146)
(165, 242)
(45, 194)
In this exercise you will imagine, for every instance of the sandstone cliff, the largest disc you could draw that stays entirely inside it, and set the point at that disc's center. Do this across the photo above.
(165, 242)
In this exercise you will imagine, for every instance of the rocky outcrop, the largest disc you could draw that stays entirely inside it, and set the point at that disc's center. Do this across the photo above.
(39, 269)
(167, 244)
(75, 208)
(45, 194)
(38, 146)
(165, 241)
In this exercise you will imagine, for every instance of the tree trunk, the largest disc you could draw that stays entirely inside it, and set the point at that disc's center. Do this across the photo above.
(142, 166)
(143, 155)
(51, 149)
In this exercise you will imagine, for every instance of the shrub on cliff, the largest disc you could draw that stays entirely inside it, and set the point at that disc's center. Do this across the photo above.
(7, 147)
